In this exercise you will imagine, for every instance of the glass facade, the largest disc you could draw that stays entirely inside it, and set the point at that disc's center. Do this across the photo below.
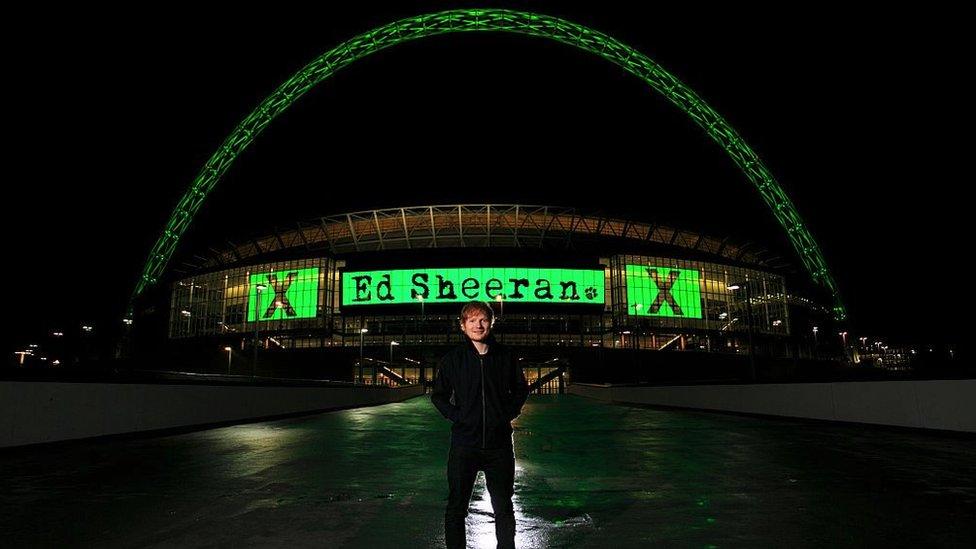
(644, 302)
(661, 292)
(288, 295)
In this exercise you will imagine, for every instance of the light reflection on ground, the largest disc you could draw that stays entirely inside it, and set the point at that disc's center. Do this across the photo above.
(588, 474)
(530, 532)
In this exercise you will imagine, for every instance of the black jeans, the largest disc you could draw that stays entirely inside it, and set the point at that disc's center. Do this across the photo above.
(463, 465)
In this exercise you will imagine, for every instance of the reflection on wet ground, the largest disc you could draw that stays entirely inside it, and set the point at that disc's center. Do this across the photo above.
(588, 474)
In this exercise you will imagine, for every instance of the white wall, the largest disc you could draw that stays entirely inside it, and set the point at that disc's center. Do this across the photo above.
(936, 404)
(33, 412)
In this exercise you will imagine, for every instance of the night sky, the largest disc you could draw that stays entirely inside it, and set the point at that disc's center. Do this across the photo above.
(856, 115)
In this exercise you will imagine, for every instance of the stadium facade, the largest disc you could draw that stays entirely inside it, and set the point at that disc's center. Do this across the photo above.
(376, 294)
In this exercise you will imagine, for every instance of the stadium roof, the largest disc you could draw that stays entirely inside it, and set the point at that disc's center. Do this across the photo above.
(470, 226)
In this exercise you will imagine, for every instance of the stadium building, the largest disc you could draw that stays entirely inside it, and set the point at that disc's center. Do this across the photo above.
(376, 294)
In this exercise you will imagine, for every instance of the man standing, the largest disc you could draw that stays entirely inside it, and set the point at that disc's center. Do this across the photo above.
(481, 390)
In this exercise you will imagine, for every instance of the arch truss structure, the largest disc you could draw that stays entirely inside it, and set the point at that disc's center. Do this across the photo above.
(492, 20)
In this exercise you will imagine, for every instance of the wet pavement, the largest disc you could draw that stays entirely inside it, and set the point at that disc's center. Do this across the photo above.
(589, 474)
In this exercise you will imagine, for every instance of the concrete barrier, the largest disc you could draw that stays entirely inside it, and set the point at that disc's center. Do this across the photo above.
(937, 404)
(33, 412)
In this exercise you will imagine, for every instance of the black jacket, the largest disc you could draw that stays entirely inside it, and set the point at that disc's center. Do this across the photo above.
(480, 394)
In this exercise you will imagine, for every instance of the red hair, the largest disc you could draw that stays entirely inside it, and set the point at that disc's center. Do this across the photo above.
(479, 306)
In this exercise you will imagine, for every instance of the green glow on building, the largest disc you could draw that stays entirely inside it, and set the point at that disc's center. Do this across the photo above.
(287, 295)
(492, 20)
(663, 291)
(513, 284)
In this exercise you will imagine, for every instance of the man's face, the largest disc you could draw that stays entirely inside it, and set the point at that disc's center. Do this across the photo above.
(476, 326)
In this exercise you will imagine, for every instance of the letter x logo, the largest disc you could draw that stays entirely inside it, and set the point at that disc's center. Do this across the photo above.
(664, 292)
(280, 300)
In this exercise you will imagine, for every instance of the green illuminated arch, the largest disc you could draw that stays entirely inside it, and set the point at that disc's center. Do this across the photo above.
(497, 20)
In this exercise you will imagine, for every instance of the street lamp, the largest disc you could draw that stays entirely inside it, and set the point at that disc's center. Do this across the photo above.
(501, 305)
(403, 369)
(735, 286)
(229, 350)
(363, 331)
(637, 308)
(423, 318)
(843, 338)
(257, 318)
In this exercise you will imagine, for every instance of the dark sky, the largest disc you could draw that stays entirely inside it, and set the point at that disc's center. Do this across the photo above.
(855, 113)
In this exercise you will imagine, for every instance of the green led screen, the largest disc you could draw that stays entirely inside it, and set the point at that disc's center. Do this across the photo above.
(663, 291)
(287, 294)
(514, 284)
